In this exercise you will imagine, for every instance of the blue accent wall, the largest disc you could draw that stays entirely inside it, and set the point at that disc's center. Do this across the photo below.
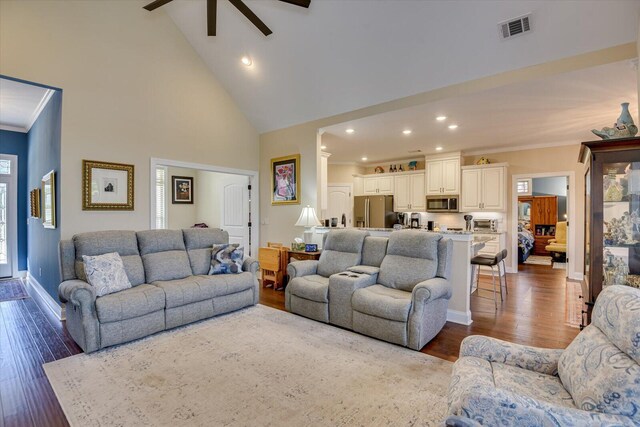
(44, 156)
(16, 143)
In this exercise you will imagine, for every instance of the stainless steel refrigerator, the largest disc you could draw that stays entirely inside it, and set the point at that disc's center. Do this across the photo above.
(374, 211)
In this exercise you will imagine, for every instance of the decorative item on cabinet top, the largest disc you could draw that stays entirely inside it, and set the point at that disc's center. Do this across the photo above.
(483, 161)
(379, 169)
(624, 127)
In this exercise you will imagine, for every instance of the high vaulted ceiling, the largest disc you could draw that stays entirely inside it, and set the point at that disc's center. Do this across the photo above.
(555, 110)
(341, 55)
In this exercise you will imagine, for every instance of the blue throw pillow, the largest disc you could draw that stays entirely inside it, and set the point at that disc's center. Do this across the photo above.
(226, 259)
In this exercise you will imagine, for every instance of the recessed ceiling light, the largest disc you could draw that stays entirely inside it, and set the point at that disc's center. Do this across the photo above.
(364, 159)
(441, 118)
(246, 61)
(407, 131)
(438, 148)
(453, 127)
(323, 147)
(350, 130)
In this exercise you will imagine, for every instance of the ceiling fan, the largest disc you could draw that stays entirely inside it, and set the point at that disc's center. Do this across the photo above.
(212, 6)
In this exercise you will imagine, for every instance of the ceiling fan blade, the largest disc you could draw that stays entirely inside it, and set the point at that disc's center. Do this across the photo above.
(244, 9)
(301, 3)
(156, 4)
(212, 8)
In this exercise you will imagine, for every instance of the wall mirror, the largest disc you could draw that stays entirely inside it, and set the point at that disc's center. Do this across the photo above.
(49, 200)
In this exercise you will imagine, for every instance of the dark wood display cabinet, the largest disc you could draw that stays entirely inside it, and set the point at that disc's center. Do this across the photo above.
(612, 216)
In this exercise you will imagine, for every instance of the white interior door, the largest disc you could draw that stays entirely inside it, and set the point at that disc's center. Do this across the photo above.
(8, 215)
(339, 202)
(235, 211)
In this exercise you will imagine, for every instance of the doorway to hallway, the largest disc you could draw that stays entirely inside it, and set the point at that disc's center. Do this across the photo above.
(8, 215)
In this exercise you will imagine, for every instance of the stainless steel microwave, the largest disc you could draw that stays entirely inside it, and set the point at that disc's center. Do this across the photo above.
(442, 203)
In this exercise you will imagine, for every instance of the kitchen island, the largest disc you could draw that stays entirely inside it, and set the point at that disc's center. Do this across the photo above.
(465, 246)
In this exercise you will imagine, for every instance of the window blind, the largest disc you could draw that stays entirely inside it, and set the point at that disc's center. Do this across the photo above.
(161, 198)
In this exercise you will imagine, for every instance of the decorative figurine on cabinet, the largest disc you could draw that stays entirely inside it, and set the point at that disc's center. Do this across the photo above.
(622, 128)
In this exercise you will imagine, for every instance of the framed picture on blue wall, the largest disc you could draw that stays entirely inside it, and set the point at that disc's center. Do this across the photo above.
(49, 200)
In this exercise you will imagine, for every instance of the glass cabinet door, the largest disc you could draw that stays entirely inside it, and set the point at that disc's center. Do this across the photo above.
(621, 227)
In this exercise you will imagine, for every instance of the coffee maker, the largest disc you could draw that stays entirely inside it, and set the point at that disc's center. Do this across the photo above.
(401, 219)
(415, 220)
(469, 222)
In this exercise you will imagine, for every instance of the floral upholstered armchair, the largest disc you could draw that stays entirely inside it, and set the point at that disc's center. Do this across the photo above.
(595, 381)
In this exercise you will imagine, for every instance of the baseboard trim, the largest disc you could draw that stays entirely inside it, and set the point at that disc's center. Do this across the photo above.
(43, 299)
(460, 317)
(576, 276)
(21, 274)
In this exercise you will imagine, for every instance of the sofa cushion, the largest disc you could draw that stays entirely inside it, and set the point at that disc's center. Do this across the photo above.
(102, 242)
(373, 250)
(599, 376)
(192, 289)
(342, 249)
(532, 384)
(199, 242)
(313, 287)
(163, 255)
(412, 257)
(617, 315)
(383, 302)
(129, 303)
(106, 273)
(226, 259)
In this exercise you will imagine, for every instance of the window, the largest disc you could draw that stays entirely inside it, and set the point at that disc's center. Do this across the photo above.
(5, 167)
(524, 187)
(161, 197)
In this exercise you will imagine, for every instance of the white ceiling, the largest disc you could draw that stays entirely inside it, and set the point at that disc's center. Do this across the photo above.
(341, 55)
(20, 104)
(556, 110)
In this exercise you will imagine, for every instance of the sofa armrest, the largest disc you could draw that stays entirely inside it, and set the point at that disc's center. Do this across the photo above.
(251, 264)
(458, 421)
(536, 359)
(431, 290)
(77, 292)
(302, 268)
(364, 269)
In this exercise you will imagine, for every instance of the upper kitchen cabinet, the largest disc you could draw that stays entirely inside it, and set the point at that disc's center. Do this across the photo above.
(484, 188)
(378, 185)
(443, 175)
(408, 193)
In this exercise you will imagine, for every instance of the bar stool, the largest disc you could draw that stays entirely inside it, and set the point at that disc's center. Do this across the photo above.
(492, 261)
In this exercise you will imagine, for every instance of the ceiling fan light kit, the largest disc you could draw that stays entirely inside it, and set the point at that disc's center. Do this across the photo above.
(212, 9)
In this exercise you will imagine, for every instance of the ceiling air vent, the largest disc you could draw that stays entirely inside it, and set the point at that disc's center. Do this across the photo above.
(415, 151)
(515, 27)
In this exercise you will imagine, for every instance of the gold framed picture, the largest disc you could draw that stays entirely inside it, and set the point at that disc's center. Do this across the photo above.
(34, 197)
(107, 186)
(285, 180)
(49, 200)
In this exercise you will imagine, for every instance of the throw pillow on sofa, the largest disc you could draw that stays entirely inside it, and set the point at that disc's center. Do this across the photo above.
(226, 259)
(106, 273)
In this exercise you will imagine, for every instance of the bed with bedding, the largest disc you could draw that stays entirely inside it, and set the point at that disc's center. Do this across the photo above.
(525, 243)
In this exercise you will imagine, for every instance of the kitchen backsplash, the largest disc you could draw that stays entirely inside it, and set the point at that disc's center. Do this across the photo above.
(456, 220)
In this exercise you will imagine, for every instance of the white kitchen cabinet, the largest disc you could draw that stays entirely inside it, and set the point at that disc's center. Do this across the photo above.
(443, 176)
(408, 194)
(484, 188)
(378, 185)
(358, 186)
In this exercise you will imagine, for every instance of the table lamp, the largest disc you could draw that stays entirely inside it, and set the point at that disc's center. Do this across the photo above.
(308, 219)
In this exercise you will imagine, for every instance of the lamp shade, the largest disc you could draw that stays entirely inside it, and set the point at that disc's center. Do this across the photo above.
(308, 218)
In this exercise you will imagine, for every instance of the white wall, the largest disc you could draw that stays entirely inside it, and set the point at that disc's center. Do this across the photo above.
(134, 88)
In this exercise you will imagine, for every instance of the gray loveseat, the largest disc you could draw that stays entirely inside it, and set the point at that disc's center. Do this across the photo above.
(170, 286)
(394, 289)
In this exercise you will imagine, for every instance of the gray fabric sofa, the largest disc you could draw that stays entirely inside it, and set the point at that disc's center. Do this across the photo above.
(170, 286)
(394, 289)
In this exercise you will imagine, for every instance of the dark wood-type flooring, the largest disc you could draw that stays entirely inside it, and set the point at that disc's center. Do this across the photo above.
(533, 314)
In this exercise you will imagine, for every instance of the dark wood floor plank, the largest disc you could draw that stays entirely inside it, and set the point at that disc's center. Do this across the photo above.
(42, 330)
(15, 409)
(43, 405)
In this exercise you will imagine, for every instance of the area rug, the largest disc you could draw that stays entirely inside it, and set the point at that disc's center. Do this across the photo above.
(538, 260)
(258, 366)
(12, 289)
(574, 304)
